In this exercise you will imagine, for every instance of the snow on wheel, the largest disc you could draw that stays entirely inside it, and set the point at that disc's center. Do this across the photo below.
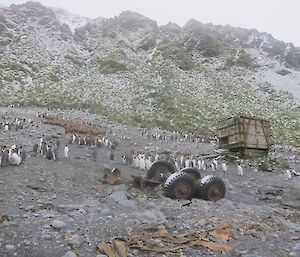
(180, 185)
(160, 171)
(211, 188)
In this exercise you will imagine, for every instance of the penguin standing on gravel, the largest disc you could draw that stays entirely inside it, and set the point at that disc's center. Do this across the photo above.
(135, 161)
(111, 156)
(142, 162)
(148, 162)
(22, 154)
(176, 164)
(213, 167)
(288, 174)
(187, 163)
(6, 128)
(224, 166)
(181, 162)
(215, 163)
(240, 169)
(35, 149)
(54, 152)
(194, 163)
(49, 153)
(94, 154)
(41, 144)
(1, 157)
(67, 152)
(203, 165)
(5, 156)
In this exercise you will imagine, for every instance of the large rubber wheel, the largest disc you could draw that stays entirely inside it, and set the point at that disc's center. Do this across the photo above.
(211, 188)
(160, 171)
(180, 185)
(193, 172)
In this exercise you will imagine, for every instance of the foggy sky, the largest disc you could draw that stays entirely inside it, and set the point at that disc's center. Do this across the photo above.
(277, 17)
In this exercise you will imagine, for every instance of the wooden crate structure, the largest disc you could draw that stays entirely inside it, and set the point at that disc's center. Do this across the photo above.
(248, 135)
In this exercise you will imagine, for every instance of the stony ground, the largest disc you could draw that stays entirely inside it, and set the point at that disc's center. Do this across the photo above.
(61, 208)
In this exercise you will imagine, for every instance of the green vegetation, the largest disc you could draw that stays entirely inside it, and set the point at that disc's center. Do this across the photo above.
(244, 59)
(193, 98)
(111, 66)
(209, 47)
(148, 43)
(180, 56)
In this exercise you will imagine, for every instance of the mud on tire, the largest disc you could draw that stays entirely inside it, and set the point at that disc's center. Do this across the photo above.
(180, 185)
(211, 188)
(160, 170)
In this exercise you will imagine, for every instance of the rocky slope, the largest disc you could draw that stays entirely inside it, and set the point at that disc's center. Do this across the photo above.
(61, 208)
(180, 78)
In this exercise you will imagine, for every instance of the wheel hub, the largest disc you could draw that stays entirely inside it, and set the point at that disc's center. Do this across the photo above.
(183, 190)
(214, 193)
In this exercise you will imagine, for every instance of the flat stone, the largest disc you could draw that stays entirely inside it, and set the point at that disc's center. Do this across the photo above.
(106, 212)
(128, 203)
(70, 207)
(92, 203)
(27, 242)
(10, 247)
(151, 216)
(292, 198)
(75, 241)
(46, 237)
(30, 208)
(69, 254)
(297, 247)
(118, 196)
(58, 224)
(226, 205)
(288, 224)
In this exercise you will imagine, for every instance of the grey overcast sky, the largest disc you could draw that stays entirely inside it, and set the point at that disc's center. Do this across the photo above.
(277, 17)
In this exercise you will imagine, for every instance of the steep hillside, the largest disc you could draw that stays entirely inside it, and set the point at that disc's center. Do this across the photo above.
(133, 71)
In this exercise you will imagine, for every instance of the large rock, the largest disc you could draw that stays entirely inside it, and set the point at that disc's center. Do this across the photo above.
(226, 205)
(69, 254)
(119, 196)
(58, 224)
(292, 198)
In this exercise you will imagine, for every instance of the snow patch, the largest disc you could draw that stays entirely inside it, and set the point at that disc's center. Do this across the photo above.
(72, 20)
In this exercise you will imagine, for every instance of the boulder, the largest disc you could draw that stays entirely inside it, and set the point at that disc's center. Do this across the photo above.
(292, 198)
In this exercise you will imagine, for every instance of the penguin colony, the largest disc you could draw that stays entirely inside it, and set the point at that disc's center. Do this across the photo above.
(137, 158)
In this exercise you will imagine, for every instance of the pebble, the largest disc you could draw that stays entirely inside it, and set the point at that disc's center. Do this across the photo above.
(118, 196)
(10, 247)
(30, 208)
(58, 224)
(75, 241)
(128, 203)
(70, 254)
(27, 242)
(106, 212)
(70, 207)
(297, 247)
(48, 216)
(46, 237)
(226, 205)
